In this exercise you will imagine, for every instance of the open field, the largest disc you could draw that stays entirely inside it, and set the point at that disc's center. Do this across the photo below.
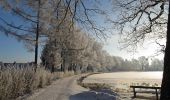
(125, 79)
(119, 82)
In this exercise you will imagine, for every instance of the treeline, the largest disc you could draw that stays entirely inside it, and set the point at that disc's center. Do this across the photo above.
(80, 53)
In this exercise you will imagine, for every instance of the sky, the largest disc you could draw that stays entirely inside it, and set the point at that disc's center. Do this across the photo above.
(12, 50)
(148, 49)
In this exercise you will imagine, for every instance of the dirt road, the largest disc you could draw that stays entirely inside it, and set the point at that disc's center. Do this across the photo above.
(67, 89)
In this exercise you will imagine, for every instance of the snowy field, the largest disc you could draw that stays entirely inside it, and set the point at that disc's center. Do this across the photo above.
(125, 79)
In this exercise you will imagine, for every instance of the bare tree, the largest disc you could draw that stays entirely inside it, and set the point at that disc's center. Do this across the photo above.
(138, 18)
(143, 62)
(156, 64)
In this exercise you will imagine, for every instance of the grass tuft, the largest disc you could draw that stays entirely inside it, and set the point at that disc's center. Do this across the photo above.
(15, 82)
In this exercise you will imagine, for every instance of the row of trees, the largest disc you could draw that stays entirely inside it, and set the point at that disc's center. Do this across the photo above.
(79, 52)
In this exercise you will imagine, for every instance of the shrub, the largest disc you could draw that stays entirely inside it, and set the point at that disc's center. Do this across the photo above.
(15, 82)
(19, 81)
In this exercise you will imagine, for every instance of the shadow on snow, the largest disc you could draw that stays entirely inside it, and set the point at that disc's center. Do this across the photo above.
(95, 95)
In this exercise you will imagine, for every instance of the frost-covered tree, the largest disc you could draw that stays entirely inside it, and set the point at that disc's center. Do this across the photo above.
(51, 57)
(136, 64)
(156, 64)
(144, 63)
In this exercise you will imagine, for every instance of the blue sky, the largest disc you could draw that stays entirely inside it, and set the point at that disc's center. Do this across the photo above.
(11, 50)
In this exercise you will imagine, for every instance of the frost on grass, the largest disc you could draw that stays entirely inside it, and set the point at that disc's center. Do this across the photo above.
(16, 82)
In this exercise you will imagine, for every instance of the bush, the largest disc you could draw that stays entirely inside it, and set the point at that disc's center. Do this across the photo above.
(19, 81)
(96, 86)
(15, 82)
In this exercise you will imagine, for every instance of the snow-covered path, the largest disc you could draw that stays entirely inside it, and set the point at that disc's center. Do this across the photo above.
(67, 89)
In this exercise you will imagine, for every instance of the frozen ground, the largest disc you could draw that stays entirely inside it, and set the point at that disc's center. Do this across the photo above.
(120, 82)
(125, 79)
(67, 89)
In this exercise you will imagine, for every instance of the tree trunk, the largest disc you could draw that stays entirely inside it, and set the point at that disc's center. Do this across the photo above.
(52, 68)
(165, 87)
(37, 35)
(61, 68)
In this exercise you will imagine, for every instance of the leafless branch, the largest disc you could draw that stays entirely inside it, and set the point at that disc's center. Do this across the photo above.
(13, 33)
(16, 11)
(139, 18)
(162, 46)
(14, 26)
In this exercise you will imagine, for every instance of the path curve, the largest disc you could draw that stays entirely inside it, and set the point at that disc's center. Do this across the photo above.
(61, 89)
(67, 89)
